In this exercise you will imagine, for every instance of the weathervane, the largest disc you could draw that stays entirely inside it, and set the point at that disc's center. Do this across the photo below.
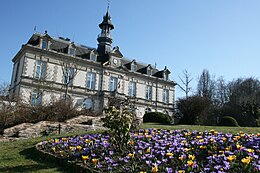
(108, 4)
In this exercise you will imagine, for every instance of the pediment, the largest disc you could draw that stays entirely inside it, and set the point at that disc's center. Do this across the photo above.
(116, 52)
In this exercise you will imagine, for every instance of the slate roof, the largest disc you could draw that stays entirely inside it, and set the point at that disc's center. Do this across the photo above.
(62, 44)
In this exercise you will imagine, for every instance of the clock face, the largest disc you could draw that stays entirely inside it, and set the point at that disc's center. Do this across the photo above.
(115, 61)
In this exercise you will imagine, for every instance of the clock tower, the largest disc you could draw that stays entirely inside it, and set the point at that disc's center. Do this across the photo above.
(104, 38)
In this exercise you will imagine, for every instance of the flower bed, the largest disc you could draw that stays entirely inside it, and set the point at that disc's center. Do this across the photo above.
(169, 151)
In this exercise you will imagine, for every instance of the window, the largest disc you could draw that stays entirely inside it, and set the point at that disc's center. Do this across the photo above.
(36, 98)
(68, 76)
(133, 67)
(147, 110)
(96, 105)
(166, 96)
(40, 69)
(149, 92)
(149, 72)
(71, 51)
(91, 80)
(166, 76)
(44, 44)
(93, 57)
(79, 102)
(88, 103)
(132, 89)
(17, 71)
(113, 84)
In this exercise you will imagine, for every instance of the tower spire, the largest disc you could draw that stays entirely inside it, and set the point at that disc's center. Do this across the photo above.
(104, 38)
(108, 4)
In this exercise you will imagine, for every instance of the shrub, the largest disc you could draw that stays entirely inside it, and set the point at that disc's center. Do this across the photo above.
(60, 110)
(193, 110)
(119, 124)
(22, 113)
(228, 121)
(157, 117)
(258, 122)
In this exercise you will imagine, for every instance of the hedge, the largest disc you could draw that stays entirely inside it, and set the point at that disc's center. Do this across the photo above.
(157, 117)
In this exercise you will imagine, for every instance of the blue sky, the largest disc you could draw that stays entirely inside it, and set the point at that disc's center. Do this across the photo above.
(221, 36)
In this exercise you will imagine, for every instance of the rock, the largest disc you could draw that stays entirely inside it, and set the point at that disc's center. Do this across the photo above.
(44, 128)
(15, 130)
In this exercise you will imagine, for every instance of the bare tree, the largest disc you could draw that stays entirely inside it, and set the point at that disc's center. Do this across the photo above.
(221, 94)
(42, 83)
(5, 105)
(68, 65)
(246, 94)
(185, 87)
(206, 85)
(69, 71)
(4, 89)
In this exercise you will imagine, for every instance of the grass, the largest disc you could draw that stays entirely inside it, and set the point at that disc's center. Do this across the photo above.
(21, 156)
(223, 129)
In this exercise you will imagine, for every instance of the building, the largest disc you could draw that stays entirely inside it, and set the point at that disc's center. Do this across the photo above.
(48, 68)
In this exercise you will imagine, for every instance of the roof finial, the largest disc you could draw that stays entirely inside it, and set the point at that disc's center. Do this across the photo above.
(108, 4)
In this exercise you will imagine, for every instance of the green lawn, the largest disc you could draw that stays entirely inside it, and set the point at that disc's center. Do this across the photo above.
(232, 130)
(21, 156)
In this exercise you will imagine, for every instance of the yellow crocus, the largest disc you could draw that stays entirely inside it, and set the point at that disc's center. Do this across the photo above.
(181, 158)
(169, 154)
(190, 163)
(250, 150)
(191, 157)
(212, 131)
(84, 157)
(246, 160)
(202, 147)
(131, 142)
(131, 155)
(187, 149)
(231, 158)
(148, 150)
(95, 161)
(155, 169)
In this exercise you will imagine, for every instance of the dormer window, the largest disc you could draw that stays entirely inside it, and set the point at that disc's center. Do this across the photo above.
(44, 44)
(93, 57)
(71, 51)
(166, 76)
(149, 72)
(133, 67)
(166, 73)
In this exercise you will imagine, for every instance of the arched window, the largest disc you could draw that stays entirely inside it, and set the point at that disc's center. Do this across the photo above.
(147, 110)
(88, 103)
